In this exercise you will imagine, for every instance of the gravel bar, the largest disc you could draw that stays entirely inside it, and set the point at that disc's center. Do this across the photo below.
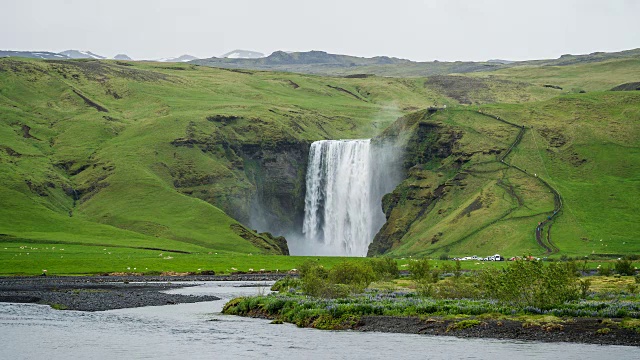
(98, 293)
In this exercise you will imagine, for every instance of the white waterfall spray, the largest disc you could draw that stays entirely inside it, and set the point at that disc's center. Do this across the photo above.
(343, 201)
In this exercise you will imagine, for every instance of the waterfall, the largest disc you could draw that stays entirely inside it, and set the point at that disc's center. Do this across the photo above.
(343, 199)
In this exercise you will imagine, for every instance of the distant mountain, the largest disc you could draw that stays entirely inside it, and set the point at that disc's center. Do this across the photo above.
(279, 58)
(77, 54)
(33, 54)
(243, 54)
(569, 59)
(183, 58)
(500, 61)
(322, 63)
(122, 57)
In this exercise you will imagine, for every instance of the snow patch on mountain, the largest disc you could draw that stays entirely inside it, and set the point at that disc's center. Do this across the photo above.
(77, 54)
(32, 54)
(183, 58)
(243, 54)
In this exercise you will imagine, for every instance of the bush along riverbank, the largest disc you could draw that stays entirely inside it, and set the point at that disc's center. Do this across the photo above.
(525, 300)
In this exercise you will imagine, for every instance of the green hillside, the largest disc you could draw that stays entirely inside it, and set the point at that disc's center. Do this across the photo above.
(467, 201)
(574, 77)
(146, 155)
(151, 157)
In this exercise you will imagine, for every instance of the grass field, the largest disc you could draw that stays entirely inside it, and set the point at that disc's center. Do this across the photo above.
(31, 258)
(59, 258)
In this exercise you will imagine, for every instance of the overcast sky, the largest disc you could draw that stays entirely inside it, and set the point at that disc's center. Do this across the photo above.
(417, 30)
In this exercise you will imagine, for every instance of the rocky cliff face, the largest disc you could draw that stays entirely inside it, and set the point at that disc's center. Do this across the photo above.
(426, 145)
(278, 173)
(260, 184)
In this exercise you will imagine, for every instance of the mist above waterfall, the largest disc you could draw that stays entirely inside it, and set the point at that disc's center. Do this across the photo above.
(345, 183)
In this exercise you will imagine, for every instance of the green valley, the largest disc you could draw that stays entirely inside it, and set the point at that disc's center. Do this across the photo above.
(169, 166)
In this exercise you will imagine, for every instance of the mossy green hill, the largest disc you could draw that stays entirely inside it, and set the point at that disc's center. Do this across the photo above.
(466, 200)
(154, 157)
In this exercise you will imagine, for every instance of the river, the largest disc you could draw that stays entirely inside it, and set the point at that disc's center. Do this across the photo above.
(199, 331)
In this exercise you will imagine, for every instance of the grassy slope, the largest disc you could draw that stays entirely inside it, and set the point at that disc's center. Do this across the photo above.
(479, 211)
(585, 145)
(573, 78)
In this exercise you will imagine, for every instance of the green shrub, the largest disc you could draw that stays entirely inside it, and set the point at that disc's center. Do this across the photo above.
(584, 286)
(314, 278)
(530, 283)
(356, 275)
(424, 287)
(286, 283)
(455, 288)
(420, 269)
(464, 324)
(457, 271)
(446, 268)
(57, 306)
(624, 267)
(424, 277)
(308, 267)
(605, 270)
(343, 279)
(384, 268)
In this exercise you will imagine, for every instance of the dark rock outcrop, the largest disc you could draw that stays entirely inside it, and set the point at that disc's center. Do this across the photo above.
(278, 172)
(264, 241)
(264, 186)
(632, 86)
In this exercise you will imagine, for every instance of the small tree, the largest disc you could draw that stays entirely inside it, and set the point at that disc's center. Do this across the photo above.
(457, 272)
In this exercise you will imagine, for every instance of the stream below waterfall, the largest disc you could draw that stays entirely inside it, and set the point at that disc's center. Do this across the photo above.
(199, 331)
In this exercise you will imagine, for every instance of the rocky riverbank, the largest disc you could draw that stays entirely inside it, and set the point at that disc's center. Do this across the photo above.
(576, 330)
(98, 293)
(401, 316)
